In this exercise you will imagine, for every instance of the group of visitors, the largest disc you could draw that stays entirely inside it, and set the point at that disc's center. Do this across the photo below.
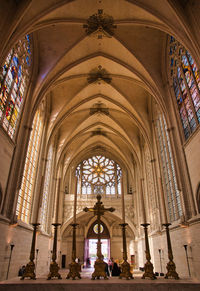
(113, 268)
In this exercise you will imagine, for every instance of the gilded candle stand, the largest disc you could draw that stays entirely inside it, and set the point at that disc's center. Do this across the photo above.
(125, 266)
(54, 268)
(171, 267)
(74, 268)
(148, 267)
(30, 267)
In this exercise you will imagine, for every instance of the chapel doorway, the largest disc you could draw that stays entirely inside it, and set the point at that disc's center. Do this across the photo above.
(90, 253)
(105, 243)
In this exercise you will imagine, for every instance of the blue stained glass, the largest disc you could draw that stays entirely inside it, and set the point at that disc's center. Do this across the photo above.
(184, 59)
(27, 60)
(178, 72)
(20, 71)
(16, 61)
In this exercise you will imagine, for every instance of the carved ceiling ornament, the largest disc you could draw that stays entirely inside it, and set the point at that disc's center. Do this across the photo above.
(99, 74)
(98, 131)
(100, 25)
(99, 108)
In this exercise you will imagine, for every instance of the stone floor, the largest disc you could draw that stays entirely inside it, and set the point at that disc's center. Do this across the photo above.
(86, 284)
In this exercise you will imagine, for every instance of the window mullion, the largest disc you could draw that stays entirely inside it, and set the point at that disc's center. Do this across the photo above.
(165, 173)
(173, 193)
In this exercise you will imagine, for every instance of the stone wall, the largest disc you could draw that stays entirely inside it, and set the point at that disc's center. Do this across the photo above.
(193, 160)
(179, 237)
(21, 237)
(6, 152)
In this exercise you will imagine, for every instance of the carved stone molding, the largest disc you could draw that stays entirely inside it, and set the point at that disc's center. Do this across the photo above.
(99, 108)
(100, 25)
(99, 74)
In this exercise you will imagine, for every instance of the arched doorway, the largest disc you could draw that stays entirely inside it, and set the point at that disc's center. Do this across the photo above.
(91, 243)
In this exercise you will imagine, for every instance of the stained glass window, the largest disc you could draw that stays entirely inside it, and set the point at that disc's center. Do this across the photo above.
(44, 208)
(168, 169)
(14, 78)
(98, 175)
(151, 188)
(25, 197)
(95, 228)
(186, 84)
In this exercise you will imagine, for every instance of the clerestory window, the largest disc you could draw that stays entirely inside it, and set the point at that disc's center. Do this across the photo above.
(186, 84)
(14, 80)
(168, 169)
(25, 197)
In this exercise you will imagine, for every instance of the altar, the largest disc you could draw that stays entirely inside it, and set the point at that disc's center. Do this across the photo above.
(112, 284)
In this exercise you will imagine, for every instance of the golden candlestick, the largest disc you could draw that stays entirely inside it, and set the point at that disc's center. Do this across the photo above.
(125, 265)
(54, 266)
(99, 266)
(148, 267)
(171, 267)
(30, 267)
(74, 267)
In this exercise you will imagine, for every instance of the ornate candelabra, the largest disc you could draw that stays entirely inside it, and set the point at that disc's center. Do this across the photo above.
(171, 267)
(148, 267)
(74, 268)
(54, 268)
(99, 266)
(125, 265)
(30, 267)
(11, 249)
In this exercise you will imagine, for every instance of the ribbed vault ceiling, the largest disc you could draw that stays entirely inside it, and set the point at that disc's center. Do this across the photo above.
(133, 58)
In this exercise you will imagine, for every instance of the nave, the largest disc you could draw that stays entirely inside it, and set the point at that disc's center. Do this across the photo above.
(100, 98)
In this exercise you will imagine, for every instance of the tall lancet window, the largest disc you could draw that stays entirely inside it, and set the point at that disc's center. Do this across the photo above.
(168, 171)
(98, 175)
(25, 197)
(14, 79)
(46, 190)
(186, 84)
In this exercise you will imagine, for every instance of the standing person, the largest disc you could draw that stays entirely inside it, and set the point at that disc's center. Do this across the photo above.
(110, 265)
(115, 270)
(106, 267)
(88, 263)
(21, 271)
